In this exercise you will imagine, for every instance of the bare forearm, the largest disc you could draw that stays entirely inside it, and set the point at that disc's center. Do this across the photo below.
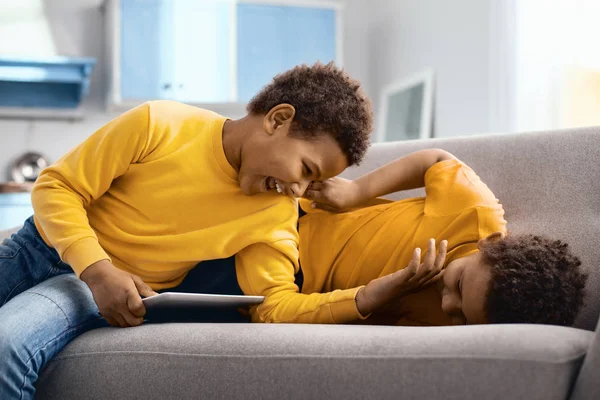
(404, 173)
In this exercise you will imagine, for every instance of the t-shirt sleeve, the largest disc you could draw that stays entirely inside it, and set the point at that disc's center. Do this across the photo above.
(268, 270)
(452, 187)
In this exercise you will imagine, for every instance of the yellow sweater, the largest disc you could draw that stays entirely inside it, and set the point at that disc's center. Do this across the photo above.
(152, 191)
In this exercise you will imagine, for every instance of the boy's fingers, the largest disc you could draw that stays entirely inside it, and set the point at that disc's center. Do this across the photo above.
(316, 185)
(413, 265)
(430, 257)
(136, 305)
(142, 287)
(416, 258)
(433, 279)
(438, 264)
(133, 310)
(441, 256)
(111, 321)
(120, 320)
(428, 261)
(313, 194)
(404, 276)
(130, 319)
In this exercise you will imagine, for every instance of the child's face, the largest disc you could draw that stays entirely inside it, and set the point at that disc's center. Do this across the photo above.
(276, 162)
(466, 281)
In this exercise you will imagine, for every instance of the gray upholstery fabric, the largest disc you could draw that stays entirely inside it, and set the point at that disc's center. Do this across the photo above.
(252, 361)
(547, 183)
(588, 385)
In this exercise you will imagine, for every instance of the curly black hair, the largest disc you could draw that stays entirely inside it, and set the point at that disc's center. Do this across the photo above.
(534, 280)
(327, 101)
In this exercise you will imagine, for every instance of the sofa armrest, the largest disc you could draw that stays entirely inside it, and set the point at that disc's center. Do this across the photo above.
(587, 385)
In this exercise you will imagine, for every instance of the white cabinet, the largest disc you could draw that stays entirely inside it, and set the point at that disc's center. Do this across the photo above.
(213, 51)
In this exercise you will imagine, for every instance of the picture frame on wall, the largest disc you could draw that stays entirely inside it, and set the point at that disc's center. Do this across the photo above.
(406, 108)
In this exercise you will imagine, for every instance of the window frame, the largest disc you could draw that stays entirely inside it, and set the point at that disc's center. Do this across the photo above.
(114, 100)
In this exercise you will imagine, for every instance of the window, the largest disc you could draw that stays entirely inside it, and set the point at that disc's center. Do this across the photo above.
(213, 51)
(557, 69)
(544, 70)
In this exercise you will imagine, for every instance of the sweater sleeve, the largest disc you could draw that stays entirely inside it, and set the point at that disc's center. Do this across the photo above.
(63, 190)
(268, 270)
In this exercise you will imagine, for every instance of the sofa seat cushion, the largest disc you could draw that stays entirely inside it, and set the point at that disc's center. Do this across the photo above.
(256, 361)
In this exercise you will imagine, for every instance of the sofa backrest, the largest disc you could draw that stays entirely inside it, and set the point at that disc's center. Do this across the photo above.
(547, 182)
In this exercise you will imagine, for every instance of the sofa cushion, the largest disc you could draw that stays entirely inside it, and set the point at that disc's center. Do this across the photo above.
(257, 361)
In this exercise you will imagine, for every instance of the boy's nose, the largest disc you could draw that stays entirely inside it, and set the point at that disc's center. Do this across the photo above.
(298, 188)
(451, 304)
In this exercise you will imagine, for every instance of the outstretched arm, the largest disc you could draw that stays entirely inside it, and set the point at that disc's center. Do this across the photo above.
(408, 172)
(266, 271)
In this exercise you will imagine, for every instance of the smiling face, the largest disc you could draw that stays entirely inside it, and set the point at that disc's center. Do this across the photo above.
(274, 160)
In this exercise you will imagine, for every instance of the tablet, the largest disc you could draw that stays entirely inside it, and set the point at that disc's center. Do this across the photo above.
(199, 300)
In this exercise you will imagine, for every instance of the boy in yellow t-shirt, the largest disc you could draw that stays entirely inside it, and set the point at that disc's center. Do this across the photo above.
(489, 276)
(165, 186)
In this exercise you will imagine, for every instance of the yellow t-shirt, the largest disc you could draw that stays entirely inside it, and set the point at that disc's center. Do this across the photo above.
(153, 192)
(338, 251)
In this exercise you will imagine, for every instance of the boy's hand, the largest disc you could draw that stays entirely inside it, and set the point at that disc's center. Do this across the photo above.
(380, 291)
(117, 293)
(334, 195)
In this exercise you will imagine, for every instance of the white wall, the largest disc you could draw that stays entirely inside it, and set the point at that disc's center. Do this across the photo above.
(453, 38)
(356, 41)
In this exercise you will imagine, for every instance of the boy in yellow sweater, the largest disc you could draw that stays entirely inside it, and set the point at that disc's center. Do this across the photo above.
(489, 275)
(163, 187)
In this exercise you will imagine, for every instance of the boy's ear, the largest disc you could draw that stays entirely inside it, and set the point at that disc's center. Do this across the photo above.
(278, 116)
(493, 236)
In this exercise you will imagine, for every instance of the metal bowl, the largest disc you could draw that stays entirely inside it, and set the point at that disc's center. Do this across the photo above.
(28, 167)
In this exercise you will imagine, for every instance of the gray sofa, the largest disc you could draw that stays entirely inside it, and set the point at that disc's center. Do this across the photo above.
(548, 183)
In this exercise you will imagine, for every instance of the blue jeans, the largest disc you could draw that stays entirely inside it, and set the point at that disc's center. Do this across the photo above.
(44, 306)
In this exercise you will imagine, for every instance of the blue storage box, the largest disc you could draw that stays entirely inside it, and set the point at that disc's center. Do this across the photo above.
(15, 208)
(56, 82)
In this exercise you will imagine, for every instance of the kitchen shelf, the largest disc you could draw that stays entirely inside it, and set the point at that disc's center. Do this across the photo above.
(43, 88)
(41, 114)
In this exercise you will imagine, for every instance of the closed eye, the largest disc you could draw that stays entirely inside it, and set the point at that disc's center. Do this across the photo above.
(307, 171)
